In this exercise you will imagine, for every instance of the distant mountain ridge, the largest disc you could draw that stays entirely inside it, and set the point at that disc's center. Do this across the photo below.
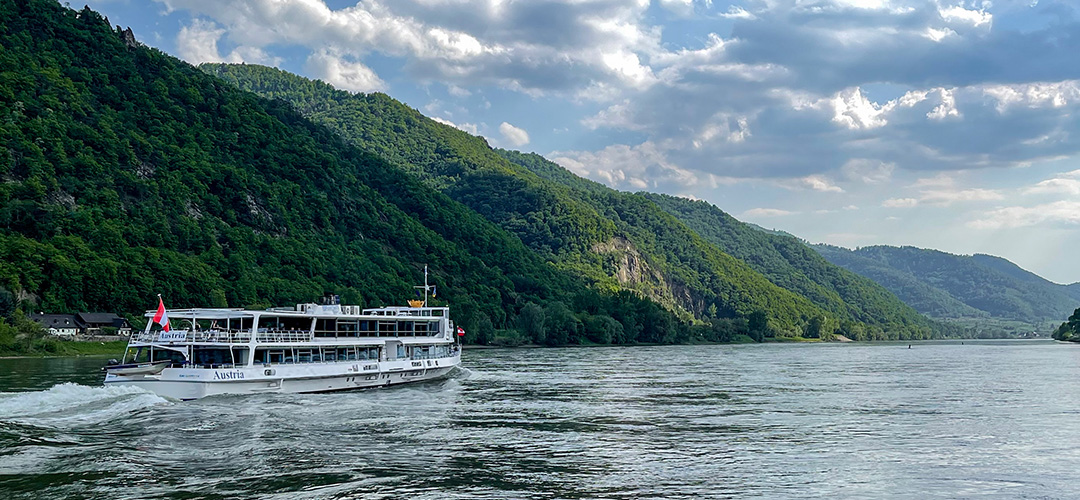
(945, 285)
(788, 262)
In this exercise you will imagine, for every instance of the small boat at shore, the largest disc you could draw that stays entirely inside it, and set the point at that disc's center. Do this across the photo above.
(152, 368)
(309, 348)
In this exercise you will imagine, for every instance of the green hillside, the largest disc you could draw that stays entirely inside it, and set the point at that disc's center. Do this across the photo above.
(789, 263)
(946, 285)
(617, 241)
(129, 173)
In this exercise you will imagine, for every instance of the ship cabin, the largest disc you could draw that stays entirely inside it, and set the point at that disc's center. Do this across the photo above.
(308, 333)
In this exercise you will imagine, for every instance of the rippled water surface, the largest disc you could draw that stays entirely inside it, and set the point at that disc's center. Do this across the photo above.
(939, 420)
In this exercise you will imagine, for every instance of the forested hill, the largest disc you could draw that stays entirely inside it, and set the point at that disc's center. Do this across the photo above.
(128, 173)
(616, 241)
(789, 263)
(946, 285)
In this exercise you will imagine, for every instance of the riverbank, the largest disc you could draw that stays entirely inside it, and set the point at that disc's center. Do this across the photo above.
(67, 349)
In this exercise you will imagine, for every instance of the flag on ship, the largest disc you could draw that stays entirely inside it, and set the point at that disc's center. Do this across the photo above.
(432, 290)
(161, 317)
(460, 331)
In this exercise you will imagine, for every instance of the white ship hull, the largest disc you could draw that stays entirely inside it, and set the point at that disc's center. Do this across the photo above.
(195, 383)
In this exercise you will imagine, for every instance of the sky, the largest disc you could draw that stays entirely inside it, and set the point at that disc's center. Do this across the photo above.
(940, 124)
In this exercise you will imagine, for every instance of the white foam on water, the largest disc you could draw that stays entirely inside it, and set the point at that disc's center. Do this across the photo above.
(74, 403)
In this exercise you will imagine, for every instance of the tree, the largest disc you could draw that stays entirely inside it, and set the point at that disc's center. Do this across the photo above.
(485, 331)
(7, 303)
(531, 320)
(758, 323)
(602, 329)
(562, 327)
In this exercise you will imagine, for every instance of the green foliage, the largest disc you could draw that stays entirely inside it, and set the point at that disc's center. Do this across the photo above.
(790, 263)
(7, 303)
(561, 325)
(531, 320)
(1070, 329)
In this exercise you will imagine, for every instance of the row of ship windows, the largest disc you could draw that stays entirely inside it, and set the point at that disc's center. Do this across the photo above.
(224, 357)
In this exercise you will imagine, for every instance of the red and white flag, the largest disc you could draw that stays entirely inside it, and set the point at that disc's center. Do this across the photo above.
(460, 332)
(161, 317)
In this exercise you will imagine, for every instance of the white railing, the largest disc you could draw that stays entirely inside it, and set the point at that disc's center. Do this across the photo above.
(271, 336)
(222, 336)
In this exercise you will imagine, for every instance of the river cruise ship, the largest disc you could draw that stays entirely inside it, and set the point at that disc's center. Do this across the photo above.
(309, 348)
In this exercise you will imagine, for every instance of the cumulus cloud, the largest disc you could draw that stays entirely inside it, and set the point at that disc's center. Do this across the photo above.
(533, 47)
(794, 92)
(1063, 183)
(945, 197)
(900, 202)
(341, 73)
(466, 127)
(1064, 212)
(868, 171)
(516, 136)
(197, 43)
(767, 212)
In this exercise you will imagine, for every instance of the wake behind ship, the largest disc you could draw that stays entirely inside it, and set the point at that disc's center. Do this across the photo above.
(309, 348)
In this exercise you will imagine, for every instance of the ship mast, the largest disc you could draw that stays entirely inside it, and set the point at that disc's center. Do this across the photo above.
(426, 287)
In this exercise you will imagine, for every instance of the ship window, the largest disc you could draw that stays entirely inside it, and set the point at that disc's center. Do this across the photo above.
(325, 328)
(212, 356)
(368, 328)
(405, 329)
(240, 355)
(168, 355)
(387, 328)
(347, 328)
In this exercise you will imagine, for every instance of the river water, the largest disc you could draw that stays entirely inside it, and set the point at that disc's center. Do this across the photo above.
(938, 420)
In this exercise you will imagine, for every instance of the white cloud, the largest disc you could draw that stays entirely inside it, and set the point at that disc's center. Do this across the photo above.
(853, 110)
(343, 74)
(947, 108)
(950, 196)
(516, 136)
(945, 197)
(900, 203)
(767, 212)
(812, 182)
(644, 166)
(1064, 183)
(1034, 95)
(466, 127)
(958, 14)
(1058, 212)
(197, 43)
(868, 171)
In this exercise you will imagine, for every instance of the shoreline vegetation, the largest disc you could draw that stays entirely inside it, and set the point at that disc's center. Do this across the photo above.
(1070, 329)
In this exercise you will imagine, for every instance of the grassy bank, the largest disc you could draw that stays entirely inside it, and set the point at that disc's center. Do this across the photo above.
(53, 348)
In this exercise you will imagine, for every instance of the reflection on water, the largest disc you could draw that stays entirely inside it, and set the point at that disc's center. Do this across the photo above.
(775, 421)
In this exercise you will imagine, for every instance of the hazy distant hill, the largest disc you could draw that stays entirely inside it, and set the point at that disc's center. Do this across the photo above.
(788, 262)
(946, 285)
